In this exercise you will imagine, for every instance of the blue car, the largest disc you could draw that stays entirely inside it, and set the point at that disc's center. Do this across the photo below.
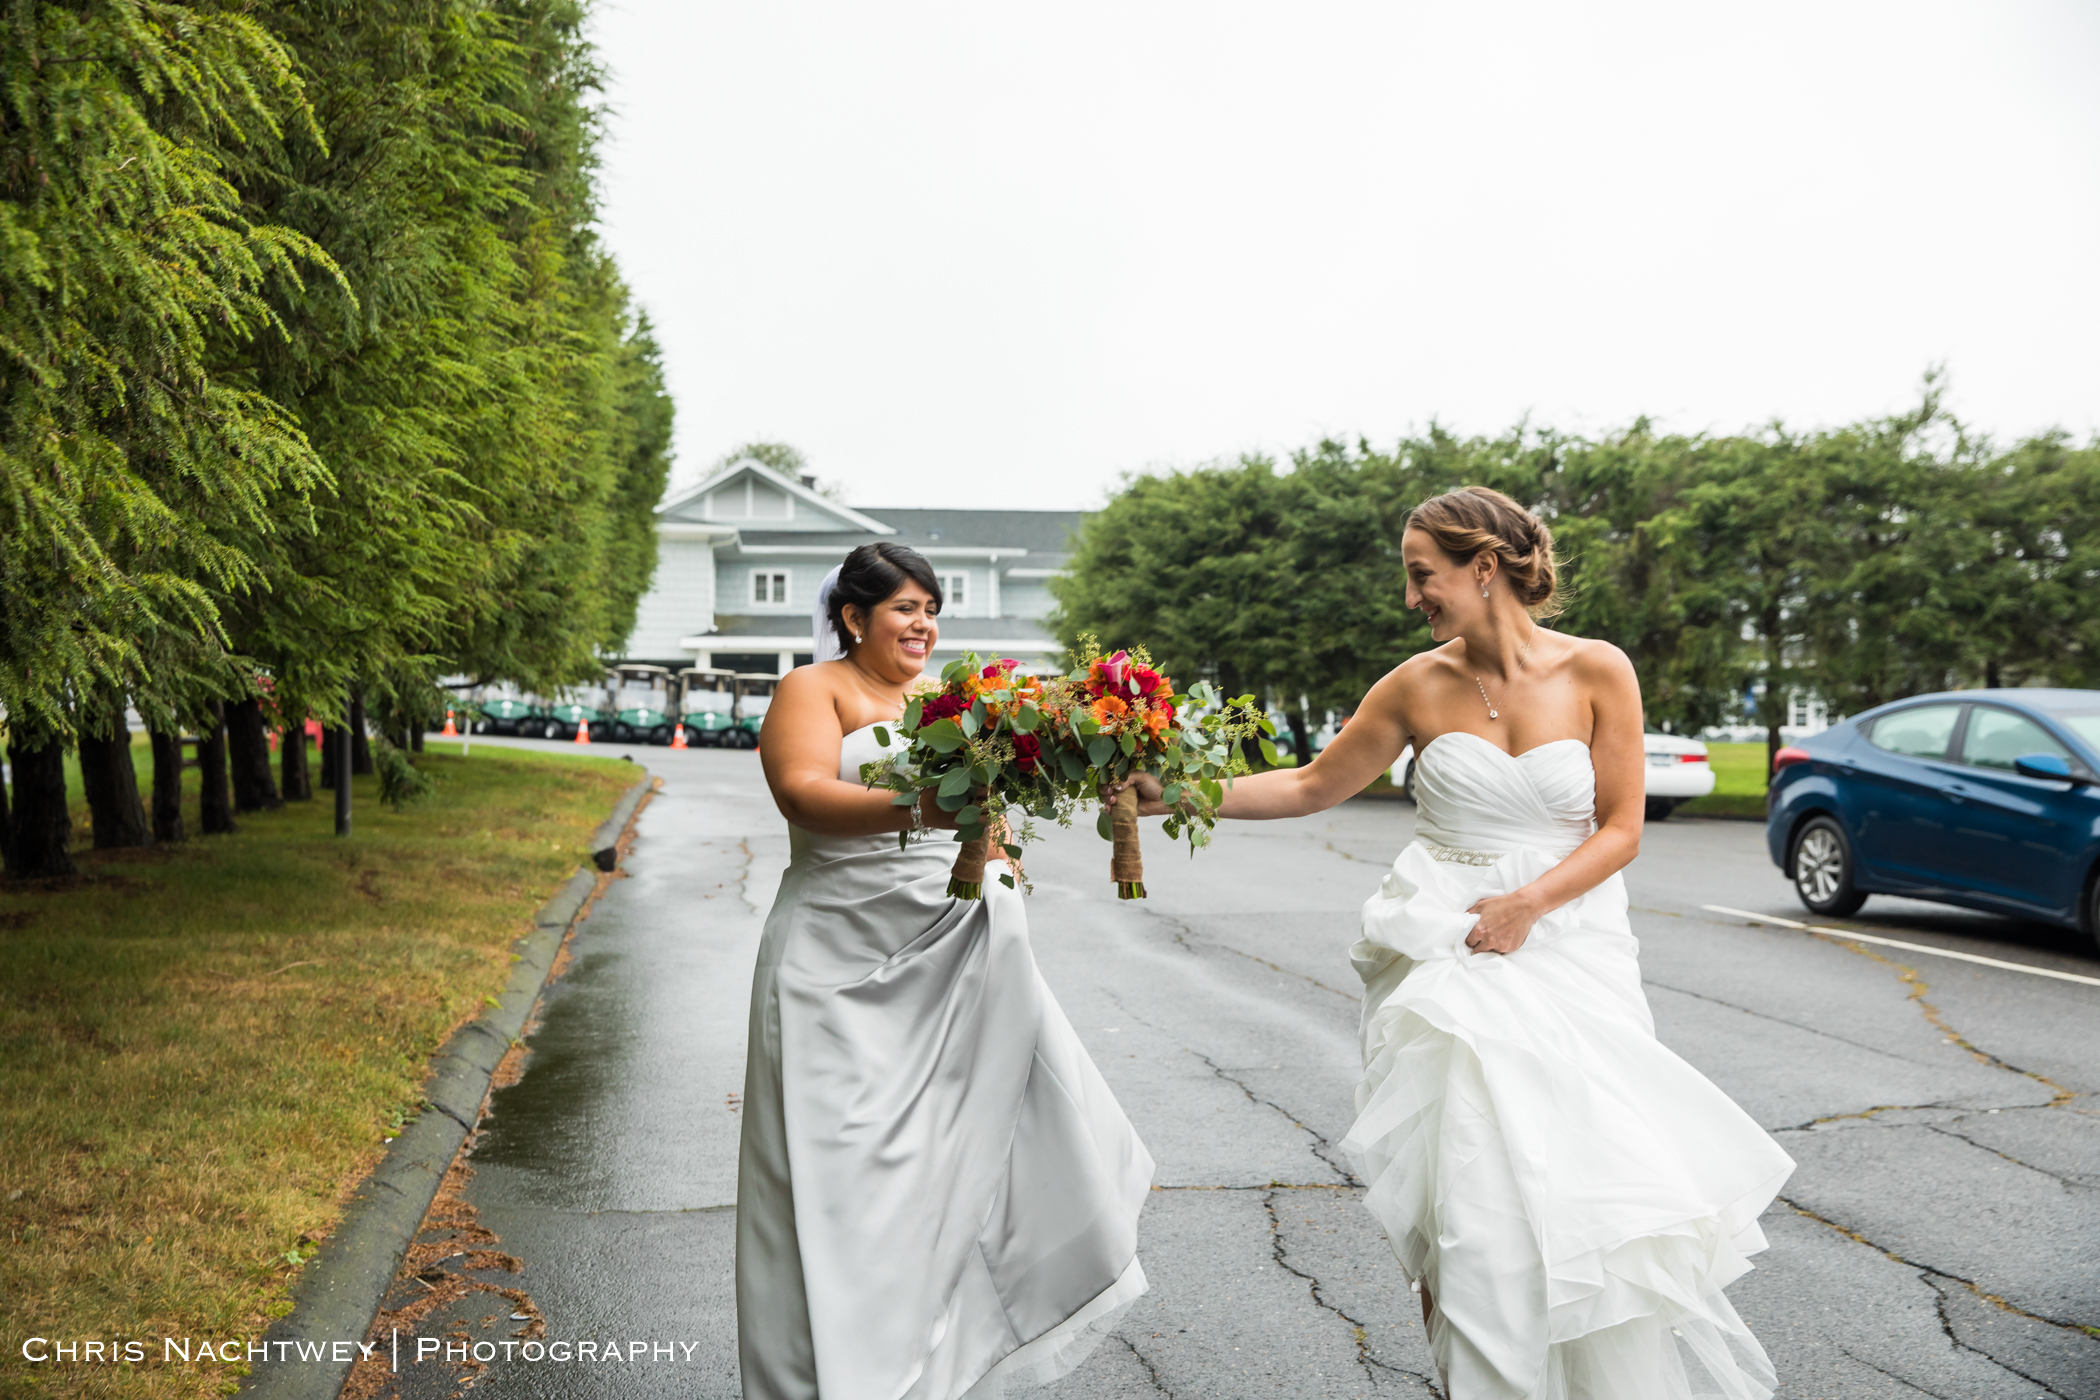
(1989, 799)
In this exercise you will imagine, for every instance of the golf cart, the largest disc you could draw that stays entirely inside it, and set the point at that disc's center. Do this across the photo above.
(643, 702)
(706, 704)
(754, 692)
(505, 711)
(569, 710)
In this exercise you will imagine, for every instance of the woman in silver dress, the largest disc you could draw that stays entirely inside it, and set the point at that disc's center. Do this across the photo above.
(937, 1194)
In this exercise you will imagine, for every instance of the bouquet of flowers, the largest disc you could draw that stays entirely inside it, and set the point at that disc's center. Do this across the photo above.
(999, 748)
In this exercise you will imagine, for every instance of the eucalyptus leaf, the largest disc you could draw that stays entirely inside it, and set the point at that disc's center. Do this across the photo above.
(1007, 880)
(943, 736)
(951, 801)
(1105, 825)
(1012, 852)
(1268, 753)
(971, 815)
(1027, 717)
(882, 736)
(1128, 743)
(957, 780)
(1100, 750)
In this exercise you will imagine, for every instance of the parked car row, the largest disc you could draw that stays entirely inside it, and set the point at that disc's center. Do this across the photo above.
(1987, 799)
(639, 704)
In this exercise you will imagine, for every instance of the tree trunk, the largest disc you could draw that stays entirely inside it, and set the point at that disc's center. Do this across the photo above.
(329, 736)
(43, 831)
(339, 760)
(215, 808)
(298, 785)
(248, 742)
(167, 788)
(415, 736)
(1301, 737)
(111, 783)
(1990, 673)
(360, 746)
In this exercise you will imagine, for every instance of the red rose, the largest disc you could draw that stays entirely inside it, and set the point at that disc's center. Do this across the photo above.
(1146, 680)
(943, 706)
(1028, 751)
(998, 670)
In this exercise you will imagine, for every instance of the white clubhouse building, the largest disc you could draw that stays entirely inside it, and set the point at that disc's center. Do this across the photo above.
(739, 558)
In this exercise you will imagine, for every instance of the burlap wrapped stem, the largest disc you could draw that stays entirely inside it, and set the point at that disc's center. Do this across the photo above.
(1126, 865)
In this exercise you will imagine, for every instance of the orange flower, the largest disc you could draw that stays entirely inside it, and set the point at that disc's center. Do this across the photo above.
(1156, 720)
(1109, 707)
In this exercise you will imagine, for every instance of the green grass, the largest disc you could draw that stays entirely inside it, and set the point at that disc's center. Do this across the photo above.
(203, 1046)
(1739, 783)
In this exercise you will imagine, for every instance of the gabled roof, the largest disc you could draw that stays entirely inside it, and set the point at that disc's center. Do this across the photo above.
(687, 505)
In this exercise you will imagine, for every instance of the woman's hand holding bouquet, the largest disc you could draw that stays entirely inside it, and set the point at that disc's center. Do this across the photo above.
(998, 748)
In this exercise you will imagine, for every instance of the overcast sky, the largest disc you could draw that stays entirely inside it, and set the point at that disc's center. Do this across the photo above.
(1004, 253)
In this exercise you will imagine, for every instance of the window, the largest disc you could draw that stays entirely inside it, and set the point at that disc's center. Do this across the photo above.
(1919, 732)
(768, 587)
(1996, 737)
(2085, 726)
(955, 592)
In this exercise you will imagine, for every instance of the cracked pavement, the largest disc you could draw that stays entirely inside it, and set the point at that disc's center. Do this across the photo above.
(1936, 1239)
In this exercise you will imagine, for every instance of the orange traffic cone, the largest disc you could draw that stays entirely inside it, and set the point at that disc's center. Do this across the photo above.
(678, 736)
(583, 731)
(450, 731)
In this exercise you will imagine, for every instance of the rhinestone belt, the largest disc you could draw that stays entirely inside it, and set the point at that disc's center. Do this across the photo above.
(1453, 855)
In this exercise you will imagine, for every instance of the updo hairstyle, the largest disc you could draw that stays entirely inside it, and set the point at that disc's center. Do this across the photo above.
(871, 573)
(1475, 518)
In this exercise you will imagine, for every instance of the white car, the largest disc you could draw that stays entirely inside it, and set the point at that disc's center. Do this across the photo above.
(1677, 771)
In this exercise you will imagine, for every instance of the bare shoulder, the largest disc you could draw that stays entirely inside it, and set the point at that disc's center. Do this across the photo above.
(807, 682)
(1392, 689)
(1595, 661)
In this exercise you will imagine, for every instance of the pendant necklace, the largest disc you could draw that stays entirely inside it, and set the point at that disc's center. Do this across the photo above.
(1522, 652)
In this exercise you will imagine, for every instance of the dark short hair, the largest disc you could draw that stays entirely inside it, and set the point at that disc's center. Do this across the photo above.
(872, 573)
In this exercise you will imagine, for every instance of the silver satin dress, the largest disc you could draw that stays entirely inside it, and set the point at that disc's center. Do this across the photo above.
(937, 1194)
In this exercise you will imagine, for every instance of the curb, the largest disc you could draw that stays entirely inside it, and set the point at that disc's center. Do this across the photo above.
(605, 841)
(309, 1351)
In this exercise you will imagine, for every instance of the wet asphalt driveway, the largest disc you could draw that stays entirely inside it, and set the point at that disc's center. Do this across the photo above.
(1940, 1237)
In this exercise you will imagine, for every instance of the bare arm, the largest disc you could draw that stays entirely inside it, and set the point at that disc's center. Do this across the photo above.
(1365, 747)
(799, 748)
(1615, 751)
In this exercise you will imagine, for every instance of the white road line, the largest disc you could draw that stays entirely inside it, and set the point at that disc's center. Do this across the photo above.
(1778, 922)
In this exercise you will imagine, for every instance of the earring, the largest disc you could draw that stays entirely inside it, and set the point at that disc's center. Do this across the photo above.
(856, 639)
(1483, 591)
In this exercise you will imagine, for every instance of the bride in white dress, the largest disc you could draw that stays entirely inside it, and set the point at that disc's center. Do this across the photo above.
(1569, 1196)
(937, 1194)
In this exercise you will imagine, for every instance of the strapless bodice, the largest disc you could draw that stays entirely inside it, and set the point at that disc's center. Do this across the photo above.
(1472, 796)
(808, 847)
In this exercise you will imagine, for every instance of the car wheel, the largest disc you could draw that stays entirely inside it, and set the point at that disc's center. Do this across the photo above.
(1659, 808)
(1821, 869)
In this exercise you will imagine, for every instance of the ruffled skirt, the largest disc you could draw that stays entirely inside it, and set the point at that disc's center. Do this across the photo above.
(1574, 1196)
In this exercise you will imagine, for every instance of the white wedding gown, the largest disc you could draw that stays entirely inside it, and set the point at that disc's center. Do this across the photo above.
(1573, 1195)
(937, 1194)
